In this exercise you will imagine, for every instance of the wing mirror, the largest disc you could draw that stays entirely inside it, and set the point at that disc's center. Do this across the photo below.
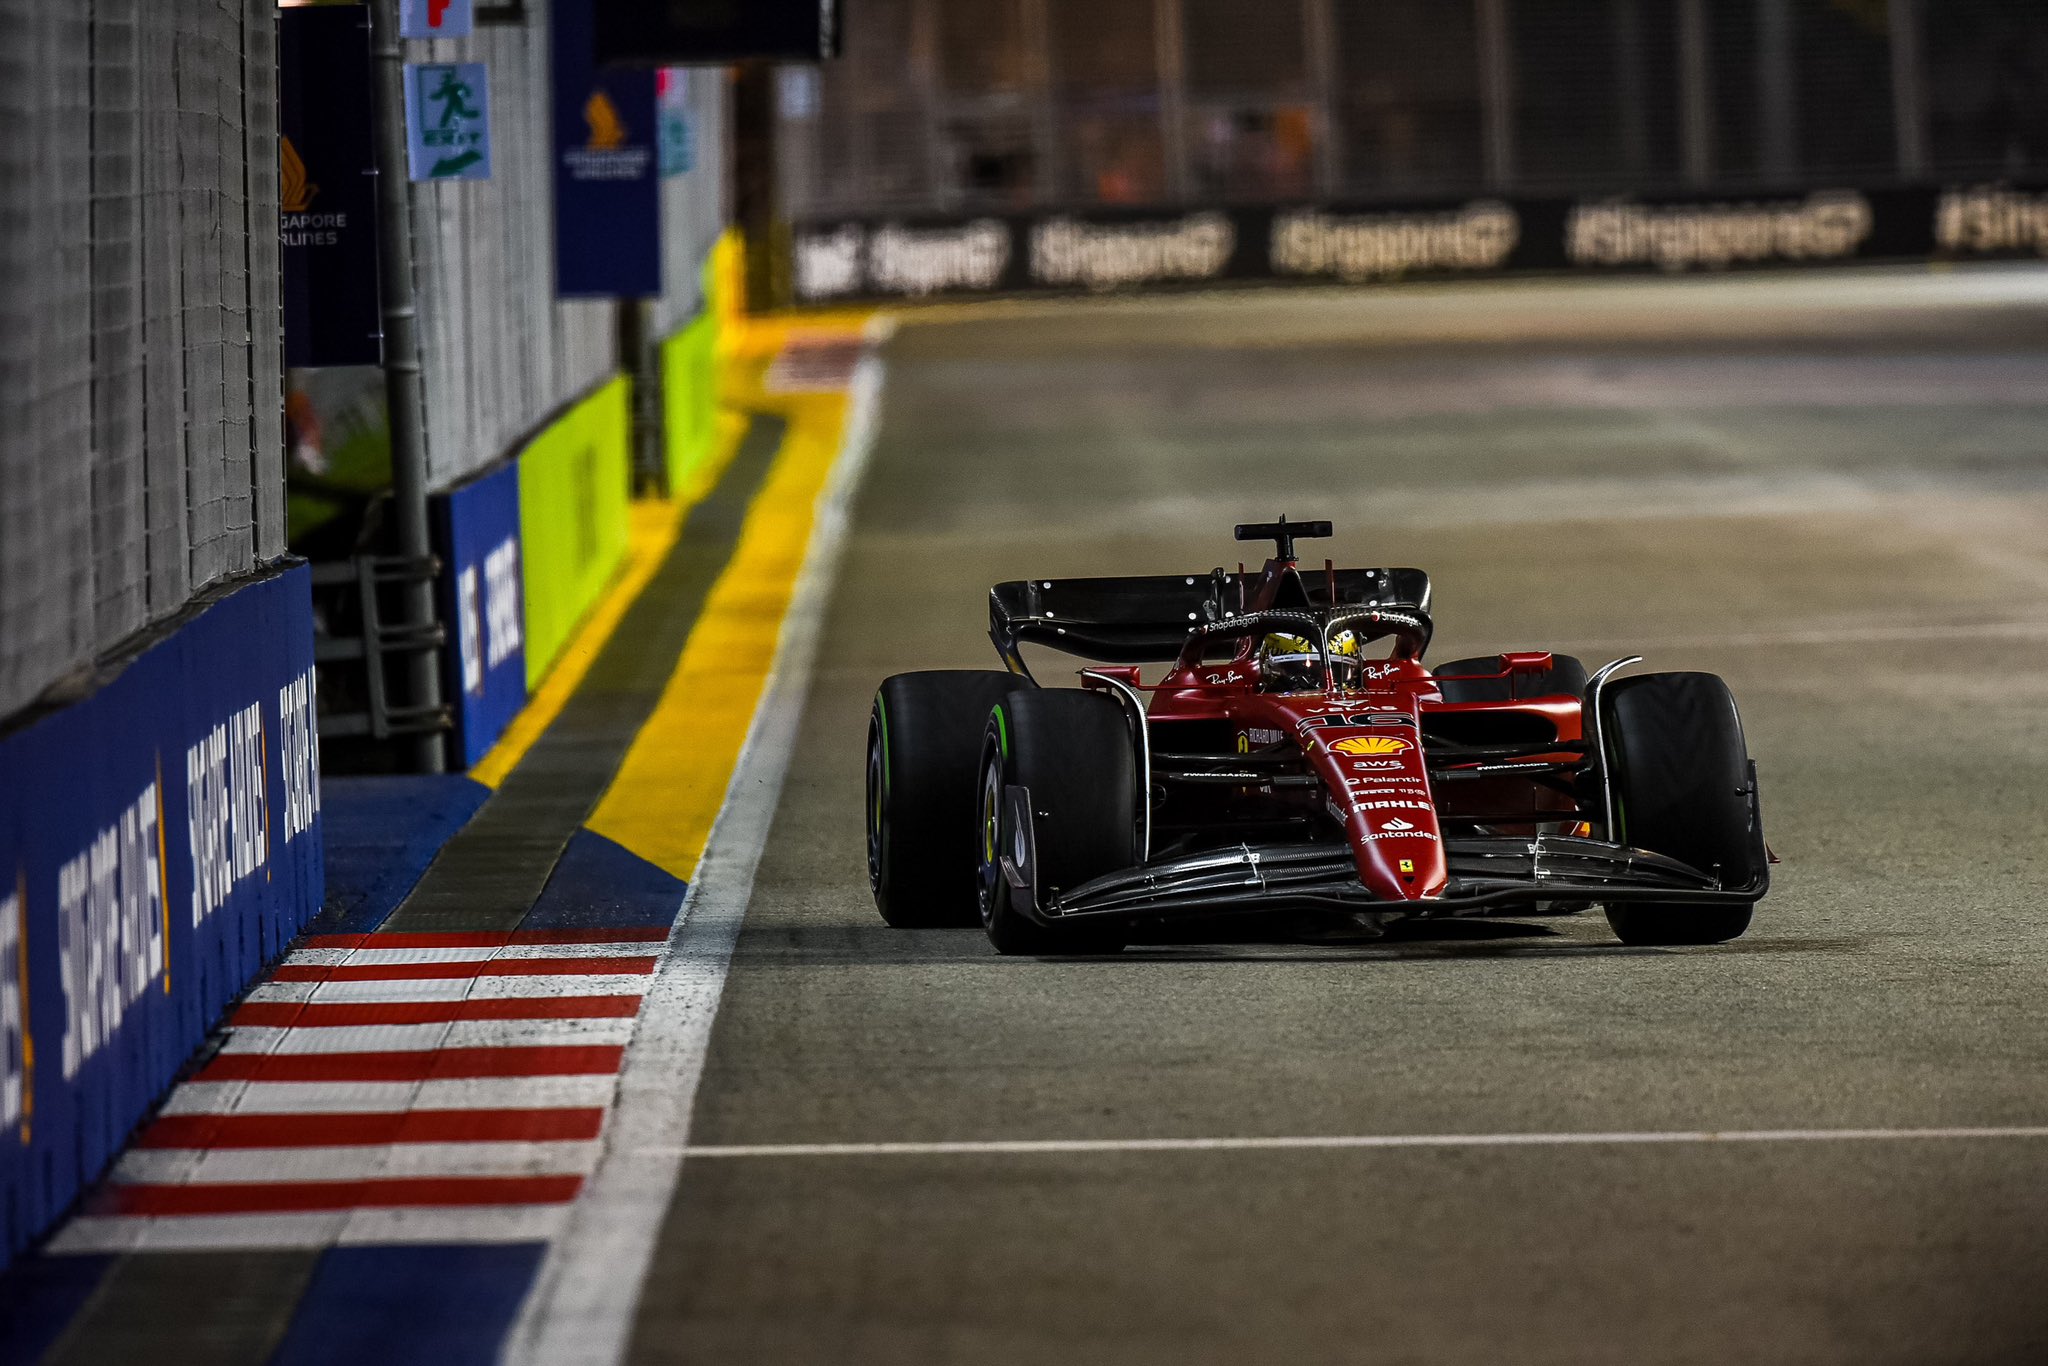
(1525, 662)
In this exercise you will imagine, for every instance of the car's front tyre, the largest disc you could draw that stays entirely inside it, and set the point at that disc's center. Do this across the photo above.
(1071, 750)
(1681, 775)
(923, 755)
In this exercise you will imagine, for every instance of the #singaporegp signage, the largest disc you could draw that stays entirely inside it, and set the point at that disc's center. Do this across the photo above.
(159, 842)
(1108, 250)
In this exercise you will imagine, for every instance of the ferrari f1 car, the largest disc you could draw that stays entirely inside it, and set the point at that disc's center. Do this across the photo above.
(1297, 757)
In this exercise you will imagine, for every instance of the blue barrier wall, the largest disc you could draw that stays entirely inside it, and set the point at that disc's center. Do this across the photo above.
(478, 529)
(159, 844)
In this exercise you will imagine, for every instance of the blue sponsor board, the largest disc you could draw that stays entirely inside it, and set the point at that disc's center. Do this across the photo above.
(607, 168)
(159, 844)
(447, 121)
(327, 199)
(478, 528)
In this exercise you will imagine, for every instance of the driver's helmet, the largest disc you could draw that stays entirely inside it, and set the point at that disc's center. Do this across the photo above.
(1290, 663)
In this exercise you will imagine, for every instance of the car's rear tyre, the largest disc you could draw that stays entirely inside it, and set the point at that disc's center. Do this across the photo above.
(1566, 676)
(1072, 751)
(1681, 788)
(924, 748)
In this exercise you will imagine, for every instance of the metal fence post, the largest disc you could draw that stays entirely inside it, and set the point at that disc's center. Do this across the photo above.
(1497, 92)
(1909, 89)
(1322, 63)
(1695, 93)
(402, 388)
(1169, 39)
(1775, 93)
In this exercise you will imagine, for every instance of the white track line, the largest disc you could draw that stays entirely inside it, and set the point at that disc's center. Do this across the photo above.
(581, 1310)
(241, 1166)
(421, 1038)
(334, 1097)
(455, 988)
(1053, 1146)
(199, 1232)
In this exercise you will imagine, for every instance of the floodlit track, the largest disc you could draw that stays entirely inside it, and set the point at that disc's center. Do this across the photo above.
(1503, 1143)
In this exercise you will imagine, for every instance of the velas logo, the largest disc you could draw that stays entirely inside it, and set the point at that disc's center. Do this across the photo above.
(294, 190)
(1370, 744)
(607, 129)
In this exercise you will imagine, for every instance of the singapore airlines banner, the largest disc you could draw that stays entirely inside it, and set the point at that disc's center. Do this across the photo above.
(159, 843)
(1108, 250)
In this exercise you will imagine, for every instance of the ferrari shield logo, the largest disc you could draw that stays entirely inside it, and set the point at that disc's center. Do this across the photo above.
(1370, 744)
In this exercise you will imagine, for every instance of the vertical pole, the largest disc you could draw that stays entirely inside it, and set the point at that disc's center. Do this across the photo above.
(1046, 169)
(640, 359)
(753, 185)
(1322, 66)
(1170, 40)
(1695, 93)
(1909, 89)
(1775, 92)
(1497, 92)
(943, 191)
(402, 386)
(1630, 93)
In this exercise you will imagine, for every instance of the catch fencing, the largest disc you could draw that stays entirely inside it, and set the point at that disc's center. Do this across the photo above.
(958, 108)
(140, 446)
(501, 353)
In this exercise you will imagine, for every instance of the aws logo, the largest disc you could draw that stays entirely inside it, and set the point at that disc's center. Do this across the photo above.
(294, 190)
(607, 129)
(1370, 744)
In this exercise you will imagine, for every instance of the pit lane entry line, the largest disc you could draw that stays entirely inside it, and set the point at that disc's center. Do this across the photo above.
(1036, 1147)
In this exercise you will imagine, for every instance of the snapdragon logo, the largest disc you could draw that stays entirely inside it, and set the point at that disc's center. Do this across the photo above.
(226, 803)
(828, 264)
(1826, 225)
(298, 747)
(1374, 246)
(110, 926)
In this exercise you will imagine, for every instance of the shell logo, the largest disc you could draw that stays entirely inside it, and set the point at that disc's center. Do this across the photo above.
(1370, 744)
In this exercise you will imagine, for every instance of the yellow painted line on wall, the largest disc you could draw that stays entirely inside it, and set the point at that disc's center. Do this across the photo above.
(668, 791)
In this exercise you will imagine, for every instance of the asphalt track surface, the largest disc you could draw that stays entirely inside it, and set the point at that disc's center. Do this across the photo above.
(1832, 489)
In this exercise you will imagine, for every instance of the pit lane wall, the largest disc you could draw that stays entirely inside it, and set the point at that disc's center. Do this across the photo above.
(533, 542)
(1100, 251)
(160, 841)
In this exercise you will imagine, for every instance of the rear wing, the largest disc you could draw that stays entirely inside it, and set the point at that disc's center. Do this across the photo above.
(1146, 620)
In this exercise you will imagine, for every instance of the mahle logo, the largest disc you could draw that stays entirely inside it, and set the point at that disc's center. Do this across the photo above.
(1370, 744)
(294, 191)
(607, 129)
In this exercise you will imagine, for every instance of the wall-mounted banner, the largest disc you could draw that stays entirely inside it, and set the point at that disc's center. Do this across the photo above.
(476, 528)
(160, 841)
(708, 33)
(436, 18)
(607, 168)
(447, 121)
(678, 134)
(327, 210)
(1096, 250)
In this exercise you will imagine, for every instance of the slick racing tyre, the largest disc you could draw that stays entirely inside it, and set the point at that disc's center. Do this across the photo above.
(1682, 789)
(1566, 676)
(1071, 750)
(924, 745)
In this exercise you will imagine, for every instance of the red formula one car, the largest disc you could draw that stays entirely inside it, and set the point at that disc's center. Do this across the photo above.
(1279, 767)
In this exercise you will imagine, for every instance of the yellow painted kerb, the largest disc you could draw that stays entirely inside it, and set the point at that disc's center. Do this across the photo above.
(669, 789)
